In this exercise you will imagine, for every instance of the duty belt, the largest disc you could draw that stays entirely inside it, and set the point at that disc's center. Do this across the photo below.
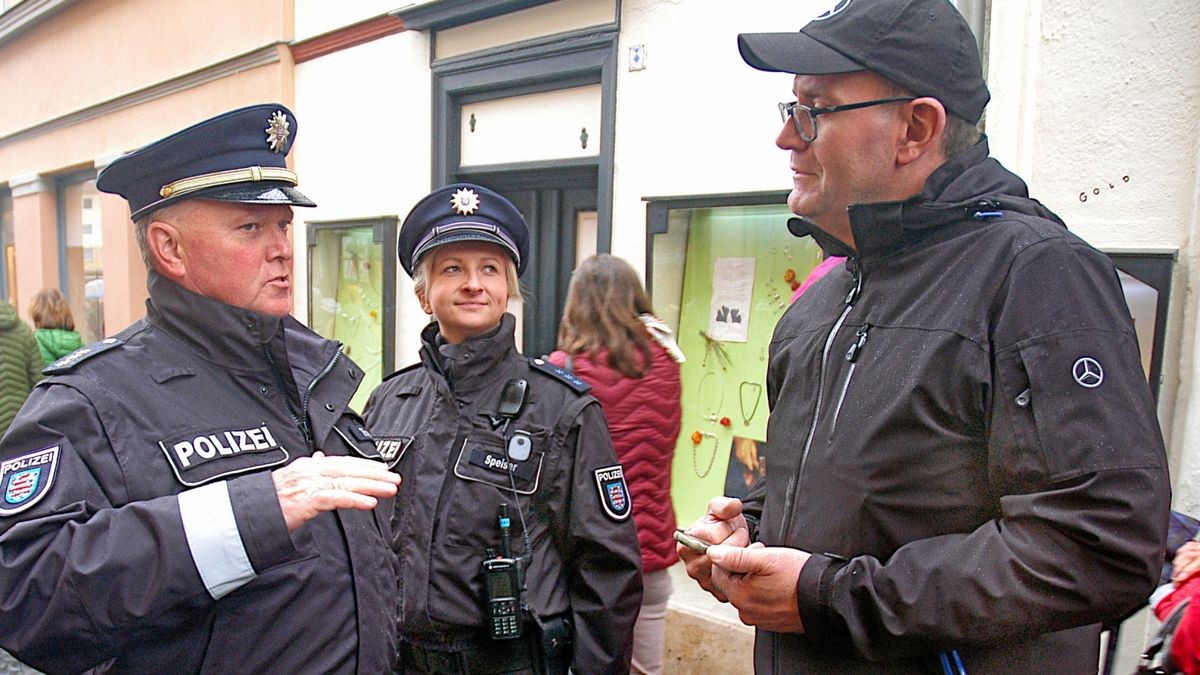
(484, 656)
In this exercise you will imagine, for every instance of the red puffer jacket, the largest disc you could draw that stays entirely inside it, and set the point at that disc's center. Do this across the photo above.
(643, 418)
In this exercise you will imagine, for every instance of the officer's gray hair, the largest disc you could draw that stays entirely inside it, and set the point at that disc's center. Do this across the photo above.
(141, 228)
(424, 272)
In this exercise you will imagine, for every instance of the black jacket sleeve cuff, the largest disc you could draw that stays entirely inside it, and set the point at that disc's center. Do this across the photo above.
(260, 520)
(814, 593)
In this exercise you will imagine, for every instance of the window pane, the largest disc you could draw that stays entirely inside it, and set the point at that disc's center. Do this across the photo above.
(722, 277)
(84, 246)
(346, 298)
(9, 250)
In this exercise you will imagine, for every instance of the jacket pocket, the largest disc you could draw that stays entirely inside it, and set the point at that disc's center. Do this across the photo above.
(1086, 406)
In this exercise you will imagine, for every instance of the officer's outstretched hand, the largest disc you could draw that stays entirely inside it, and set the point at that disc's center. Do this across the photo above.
(761, 582)
(310, 485)
(722, 524)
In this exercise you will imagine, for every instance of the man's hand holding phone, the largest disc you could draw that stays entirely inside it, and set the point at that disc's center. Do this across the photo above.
(722, 524)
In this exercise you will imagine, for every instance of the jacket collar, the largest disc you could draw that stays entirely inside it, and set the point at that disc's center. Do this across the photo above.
(219, 333)
(474, 363)
(964, 188)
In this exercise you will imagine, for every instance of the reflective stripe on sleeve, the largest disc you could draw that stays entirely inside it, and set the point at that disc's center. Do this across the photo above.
(213, 538)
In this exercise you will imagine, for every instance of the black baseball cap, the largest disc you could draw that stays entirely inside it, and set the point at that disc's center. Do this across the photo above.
(238, 156)
(924, 46)
(462, 212)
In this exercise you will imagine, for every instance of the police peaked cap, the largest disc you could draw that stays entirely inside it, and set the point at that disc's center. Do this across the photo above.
(237, 156)
(462, 212)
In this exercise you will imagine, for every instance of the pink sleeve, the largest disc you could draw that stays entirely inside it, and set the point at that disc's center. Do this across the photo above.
(816, 273)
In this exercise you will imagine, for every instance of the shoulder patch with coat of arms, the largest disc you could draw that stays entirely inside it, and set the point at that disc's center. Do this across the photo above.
(25, 480)
(614, 494)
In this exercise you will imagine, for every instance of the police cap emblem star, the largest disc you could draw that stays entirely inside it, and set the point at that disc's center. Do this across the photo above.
(277, 131)
(465, 201)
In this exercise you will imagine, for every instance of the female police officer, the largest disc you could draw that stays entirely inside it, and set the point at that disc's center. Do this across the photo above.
(516, 550)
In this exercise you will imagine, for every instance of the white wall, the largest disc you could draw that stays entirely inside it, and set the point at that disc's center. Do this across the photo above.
(364, 148)
(697, 120)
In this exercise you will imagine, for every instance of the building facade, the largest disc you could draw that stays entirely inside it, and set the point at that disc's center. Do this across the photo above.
(623, 126)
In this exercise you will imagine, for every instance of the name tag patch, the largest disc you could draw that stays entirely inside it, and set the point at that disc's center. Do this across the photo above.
(25, 480)
(614, 494)
(200, 457)
(499, 463)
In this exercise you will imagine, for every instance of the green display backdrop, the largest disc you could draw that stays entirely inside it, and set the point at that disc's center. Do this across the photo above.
(725, 380)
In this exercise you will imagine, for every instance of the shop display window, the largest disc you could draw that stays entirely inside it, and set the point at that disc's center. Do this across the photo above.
(8, 250)
(721, 276)
(81, 245)
(352, 293)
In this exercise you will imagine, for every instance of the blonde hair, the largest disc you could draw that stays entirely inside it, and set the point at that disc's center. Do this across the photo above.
(50, 310)
(604, 303)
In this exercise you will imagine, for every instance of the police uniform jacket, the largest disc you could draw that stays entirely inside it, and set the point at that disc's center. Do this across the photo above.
(963, 435)
(441, 417)
(152, 540)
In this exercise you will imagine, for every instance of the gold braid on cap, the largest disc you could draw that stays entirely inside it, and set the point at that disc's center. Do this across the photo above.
(251, 174)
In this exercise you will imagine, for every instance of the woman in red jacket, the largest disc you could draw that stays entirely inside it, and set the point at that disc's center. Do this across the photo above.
(610, 338)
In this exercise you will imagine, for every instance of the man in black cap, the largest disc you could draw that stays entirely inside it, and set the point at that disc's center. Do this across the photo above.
(194, 493)
(515, 546)
(966, 473)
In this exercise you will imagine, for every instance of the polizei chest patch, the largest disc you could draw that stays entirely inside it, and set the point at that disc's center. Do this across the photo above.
(201, 456)
(26, 479)
(614, 495)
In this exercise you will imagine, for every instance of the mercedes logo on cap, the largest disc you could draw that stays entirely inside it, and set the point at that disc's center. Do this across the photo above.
(1088, 373)
(835, 7)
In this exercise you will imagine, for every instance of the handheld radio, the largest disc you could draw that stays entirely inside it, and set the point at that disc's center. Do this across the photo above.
(502, 586)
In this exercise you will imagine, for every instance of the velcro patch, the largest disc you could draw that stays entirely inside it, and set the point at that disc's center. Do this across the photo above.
(614, 494)
(25, 480)
(201, 456)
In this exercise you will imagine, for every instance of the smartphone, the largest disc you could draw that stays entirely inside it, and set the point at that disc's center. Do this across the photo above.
(697, 545)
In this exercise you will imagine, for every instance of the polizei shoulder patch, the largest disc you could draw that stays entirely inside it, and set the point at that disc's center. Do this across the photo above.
(614, 495)
(26, 479)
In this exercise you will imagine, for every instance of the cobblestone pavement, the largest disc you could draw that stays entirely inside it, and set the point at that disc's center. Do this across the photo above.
(11, 666)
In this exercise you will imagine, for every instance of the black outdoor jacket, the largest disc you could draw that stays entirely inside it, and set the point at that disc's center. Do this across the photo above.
(963, 435)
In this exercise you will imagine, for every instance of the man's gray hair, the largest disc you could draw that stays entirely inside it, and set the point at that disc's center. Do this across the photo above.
(959, 135)
(141, 228)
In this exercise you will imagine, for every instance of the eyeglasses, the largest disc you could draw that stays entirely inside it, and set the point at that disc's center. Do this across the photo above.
(805, 117)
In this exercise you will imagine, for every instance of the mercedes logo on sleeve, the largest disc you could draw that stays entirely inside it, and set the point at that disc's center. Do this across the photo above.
(1088, 373)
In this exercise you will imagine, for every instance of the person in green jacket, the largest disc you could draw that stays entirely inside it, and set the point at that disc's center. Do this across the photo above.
(55, 334)
(20, 364)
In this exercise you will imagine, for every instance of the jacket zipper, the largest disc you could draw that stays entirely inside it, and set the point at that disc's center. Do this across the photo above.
(300, 419)
(313, 385)
(793, 484)
(852, 355)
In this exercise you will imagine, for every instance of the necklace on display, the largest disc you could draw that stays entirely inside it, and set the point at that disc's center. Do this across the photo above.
(697, 437)
(745, 386)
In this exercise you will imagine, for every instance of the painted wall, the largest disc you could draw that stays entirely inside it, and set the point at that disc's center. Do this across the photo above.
(364, 149)
(85, 52)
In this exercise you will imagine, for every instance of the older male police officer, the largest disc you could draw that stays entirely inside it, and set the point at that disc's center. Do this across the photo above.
(193, 494)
